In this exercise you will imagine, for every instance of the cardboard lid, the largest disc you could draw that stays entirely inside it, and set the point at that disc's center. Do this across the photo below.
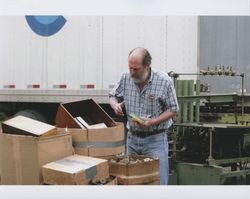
(26, 126)
(74, 164)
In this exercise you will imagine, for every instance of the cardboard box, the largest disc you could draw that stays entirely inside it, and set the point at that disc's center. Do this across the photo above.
(136, 172)
(89, 110)
(22, 157)
(103, 142)
(75, 170)
(21, 125)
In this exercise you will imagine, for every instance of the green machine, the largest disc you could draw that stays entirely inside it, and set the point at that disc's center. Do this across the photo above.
(205, 149)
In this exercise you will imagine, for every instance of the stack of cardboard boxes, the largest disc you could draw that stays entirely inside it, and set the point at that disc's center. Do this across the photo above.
(26, 145)
(32, 152)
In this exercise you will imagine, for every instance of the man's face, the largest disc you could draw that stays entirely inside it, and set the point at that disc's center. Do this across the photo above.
(138, 71)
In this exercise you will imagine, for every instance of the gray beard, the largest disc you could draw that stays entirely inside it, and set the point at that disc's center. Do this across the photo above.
(138, 80)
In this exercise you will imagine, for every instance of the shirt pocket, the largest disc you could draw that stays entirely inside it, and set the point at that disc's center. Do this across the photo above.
(152, 105)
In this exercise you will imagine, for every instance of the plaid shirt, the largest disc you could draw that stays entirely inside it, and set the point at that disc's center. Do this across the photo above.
(157, 96)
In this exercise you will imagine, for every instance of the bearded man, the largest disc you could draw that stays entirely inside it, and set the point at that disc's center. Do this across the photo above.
(150, 101)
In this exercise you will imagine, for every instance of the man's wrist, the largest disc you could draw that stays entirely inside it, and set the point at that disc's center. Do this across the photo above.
(113, 102)
(153, 122)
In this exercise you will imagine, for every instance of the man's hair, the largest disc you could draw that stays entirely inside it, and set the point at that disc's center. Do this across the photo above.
(146, 55)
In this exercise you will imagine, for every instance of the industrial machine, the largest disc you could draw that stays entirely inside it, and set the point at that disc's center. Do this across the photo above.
(206, 149)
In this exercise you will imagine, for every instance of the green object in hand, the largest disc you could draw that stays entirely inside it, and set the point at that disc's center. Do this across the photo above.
(135, 118)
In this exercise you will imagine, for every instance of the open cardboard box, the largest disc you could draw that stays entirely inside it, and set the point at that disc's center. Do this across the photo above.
(89, 110)
(103, 142)
(146, 171)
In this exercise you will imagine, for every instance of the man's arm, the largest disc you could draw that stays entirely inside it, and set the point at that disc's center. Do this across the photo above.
(116, 97)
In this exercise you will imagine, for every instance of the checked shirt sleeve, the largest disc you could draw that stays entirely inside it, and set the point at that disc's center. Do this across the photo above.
(118, 90)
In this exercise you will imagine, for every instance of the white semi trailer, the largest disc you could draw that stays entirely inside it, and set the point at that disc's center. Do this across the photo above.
(86, 57)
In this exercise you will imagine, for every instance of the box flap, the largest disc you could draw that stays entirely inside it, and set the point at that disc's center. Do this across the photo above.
(26, 126)
(75, 164)
(89, 110)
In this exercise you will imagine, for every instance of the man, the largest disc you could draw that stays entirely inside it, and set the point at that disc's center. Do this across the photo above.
(150, 95)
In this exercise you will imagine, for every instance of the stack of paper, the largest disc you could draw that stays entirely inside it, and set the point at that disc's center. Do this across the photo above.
(83, 124)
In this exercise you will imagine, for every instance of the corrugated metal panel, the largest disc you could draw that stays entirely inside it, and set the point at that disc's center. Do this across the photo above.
(243, 24)
(225, 41)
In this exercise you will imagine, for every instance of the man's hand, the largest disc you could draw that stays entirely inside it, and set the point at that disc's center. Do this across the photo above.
(118, 108)
(146, 124)
(157, 120)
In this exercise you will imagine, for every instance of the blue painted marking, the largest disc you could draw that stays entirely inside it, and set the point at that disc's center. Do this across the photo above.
(45, 19)
(45, 25)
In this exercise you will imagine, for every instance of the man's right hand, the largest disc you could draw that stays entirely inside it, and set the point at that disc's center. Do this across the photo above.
(118, 108)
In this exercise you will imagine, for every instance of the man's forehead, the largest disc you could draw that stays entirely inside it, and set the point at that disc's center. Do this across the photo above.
(135, 63)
